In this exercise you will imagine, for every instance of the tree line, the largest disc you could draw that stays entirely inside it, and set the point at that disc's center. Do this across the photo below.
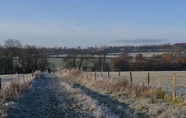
(18, 58)
(79, 59)
(119, 49)
(15, 57)
(175, 60)
(166, 62)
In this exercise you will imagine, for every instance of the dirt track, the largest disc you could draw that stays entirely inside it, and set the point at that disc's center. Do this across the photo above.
(52, 97)
(48, 99)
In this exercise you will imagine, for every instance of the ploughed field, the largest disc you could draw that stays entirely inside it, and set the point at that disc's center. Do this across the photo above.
(77, 94)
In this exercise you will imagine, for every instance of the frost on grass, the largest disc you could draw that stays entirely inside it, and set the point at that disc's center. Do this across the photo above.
(50, 97)
(141, 101)
(89, 103)
(74, 94)
(12, 91)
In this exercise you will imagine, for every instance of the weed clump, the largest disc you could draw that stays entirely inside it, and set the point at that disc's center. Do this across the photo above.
(13, 92)
(159, 93)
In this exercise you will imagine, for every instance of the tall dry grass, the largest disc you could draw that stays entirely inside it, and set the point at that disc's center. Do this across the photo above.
(120, 86)
(14, 90)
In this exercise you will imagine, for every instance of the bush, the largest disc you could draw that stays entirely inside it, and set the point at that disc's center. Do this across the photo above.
(160, 94)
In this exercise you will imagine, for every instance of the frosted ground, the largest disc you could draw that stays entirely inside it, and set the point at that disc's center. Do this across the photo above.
(162, 79)
(51, 96)
(5, 79)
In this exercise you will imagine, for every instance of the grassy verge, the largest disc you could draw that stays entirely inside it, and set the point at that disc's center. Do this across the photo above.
(14, 90)
(140, 98)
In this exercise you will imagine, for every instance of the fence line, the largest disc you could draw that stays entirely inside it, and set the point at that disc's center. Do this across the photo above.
(146, 79)
(11, 78)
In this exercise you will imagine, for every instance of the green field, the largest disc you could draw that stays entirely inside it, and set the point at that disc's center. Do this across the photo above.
(58, 62)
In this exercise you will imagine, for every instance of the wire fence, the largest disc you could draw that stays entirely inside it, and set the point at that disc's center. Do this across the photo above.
(173, 82)
(5, 80)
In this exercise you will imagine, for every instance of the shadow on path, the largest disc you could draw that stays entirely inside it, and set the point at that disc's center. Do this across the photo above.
(46, 99)
(114, 105)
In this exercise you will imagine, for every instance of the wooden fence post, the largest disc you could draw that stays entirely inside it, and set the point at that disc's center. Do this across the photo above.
(108, 74)
(27, 78)
(11, 80)
(119, 75)
(174, 88)
(23, 78)
(101, 73)
(17, 75)
(86, 72)
(95, 75)
(32, 73)
(131, 78)
(0, 84)
(148, 79)
(31, 77)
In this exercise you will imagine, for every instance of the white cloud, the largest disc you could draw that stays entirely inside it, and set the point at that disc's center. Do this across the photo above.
(140, 40)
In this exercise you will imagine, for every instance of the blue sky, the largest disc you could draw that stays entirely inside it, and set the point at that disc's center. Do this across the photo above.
(84, 23)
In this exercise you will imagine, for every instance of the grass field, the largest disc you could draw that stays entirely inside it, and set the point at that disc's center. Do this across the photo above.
(145, 54)
(120, 96)
(163, 77)
(58, 62)
(80, 95)
(13, 89)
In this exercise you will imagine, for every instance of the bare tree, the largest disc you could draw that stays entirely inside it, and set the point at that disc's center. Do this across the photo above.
(10, 51)
(34, 58)
(28, 58)
(99, 60)
(11, 48)
(75, 59)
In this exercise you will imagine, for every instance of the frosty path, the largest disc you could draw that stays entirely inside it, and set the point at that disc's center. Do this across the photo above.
(48, 99)
(52, 97)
